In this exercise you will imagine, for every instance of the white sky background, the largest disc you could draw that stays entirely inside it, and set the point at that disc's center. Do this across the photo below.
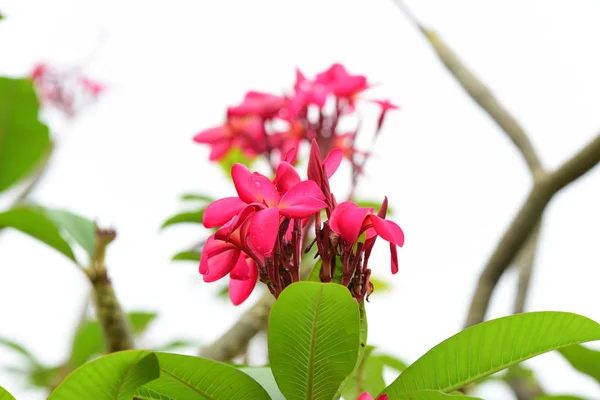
(453, 178)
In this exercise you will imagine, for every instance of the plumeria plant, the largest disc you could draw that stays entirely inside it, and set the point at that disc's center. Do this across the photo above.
(284, 232)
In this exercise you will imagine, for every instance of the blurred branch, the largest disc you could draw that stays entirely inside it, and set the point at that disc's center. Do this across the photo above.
(113, 321)
(525, 261)
(234, 341)
(480, 93)
(521, 239)
(525, 222)
(38, 175)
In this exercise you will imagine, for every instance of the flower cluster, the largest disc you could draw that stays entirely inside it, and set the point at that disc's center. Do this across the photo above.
(260, 231)
(68, 91)
(271, 125)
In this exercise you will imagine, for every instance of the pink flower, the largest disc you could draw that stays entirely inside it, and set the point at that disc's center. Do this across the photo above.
(339, 82)
(367, 396)
(242, 280)
(265, 105)
(385, 107)
(93, 87)
(245, 133)
(350, 221)
(256, 193)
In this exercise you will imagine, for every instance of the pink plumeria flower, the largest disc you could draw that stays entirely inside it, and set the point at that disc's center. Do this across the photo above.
(337, 79)
(367, 396)
(93, 87)
(258, 195)
(349, 221)
(262, 104)
(385, 107)
(245, 133)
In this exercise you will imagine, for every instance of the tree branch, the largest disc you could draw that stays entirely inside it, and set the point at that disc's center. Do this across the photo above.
(525, 261)
(480, 94)
(235, 340)
(525, 222)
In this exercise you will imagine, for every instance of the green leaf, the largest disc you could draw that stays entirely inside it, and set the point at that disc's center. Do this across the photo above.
(491, 346)
(235, 155)
(314, 336)
(4, 395)
(187, 377)
(115, 376)
(197, 197)
(176, 344)
(34, 222)
(140, 320)
(18, 348)
(380, 285)
(88, 340)
(186, 217)
(187, 256)
(370, 374)
(431, 395)
(79, 229)
(583, 360)
(264, 376)
(24, 140)
(373, 204)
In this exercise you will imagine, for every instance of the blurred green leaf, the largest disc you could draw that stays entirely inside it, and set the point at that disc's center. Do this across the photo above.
(19, 348)
(184, 218)
(235, 155)
(79, 229)
(89, 342)
(223, 293)
(115, 376)
(5, 395)
(197, 197)
(34, 222)
(177, 344)
(492, 346)
(432, 395)
(187, 256)
(373, 204)
(313, 339)
(583, 360)
(380, 285)
(264, 376)
(24, 140)
(187, 377)
(369, 376)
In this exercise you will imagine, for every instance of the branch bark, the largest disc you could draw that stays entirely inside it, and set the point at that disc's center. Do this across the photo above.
(235, 340)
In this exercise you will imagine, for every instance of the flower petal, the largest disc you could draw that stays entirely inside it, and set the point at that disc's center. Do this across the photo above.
(263, 230)
(221, 211)
(302, 200)
(388, 230)
(242, 179)
(240, 290)
(332, 161)
(394, 257)
(365, 396)
(212, 135)
(219, 150)
(241, 271)
(218, 259)
(347, 220)
(286, 177)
